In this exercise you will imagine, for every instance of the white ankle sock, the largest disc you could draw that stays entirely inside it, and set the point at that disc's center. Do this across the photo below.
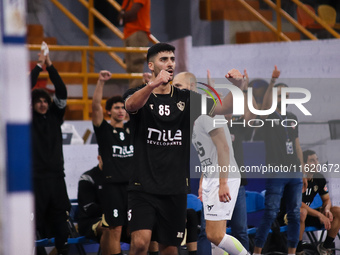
(231, 245)
(215, 250)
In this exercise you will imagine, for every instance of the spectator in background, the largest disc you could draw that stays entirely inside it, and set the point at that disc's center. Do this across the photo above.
(185, 80)
(327, 215)
(90, 188)
(135, 15)
(282, 149)
(259, 89)
(51, 199)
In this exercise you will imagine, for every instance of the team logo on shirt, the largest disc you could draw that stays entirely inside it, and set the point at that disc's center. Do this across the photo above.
(325, 188)
(122, 151)
(210, 207)
(164, 137)
(181, 105)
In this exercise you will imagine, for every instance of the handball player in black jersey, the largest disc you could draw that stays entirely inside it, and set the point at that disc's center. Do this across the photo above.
(327, 216)
(116, 150)
(161, 116)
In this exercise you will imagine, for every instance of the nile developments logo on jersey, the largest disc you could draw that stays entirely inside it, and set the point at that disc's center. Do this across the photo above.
(164, 137)
(122, 151)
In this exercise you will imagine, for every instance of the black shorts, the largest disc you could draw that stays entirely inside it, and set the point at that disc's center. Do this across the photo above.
(313, 221)
(165, 215)
(114, 203)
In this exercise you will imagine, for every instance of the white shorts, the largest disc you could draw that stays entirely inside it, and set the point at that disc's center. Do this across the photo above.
(215, 210)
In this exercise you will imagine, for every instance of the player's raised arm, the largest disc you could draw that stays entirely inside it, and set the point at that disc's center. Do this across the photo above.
(247, 113)
(97, 109)
(236, 78)
(138, 99)
(268, 96)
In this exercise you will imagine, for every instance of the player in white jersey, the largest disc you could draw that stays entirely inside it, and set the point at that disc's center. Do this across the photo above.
(220, 180)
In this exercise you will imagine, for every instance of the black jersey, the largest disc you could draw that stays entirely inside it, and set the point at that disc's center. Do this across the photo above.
(161, 137)
(316, 185)
(278, 137)
(116, 151)
(89, 193)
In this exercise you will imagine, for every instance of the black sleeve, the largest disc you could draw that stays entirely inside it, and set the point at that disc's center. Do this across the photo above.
(322, 183)
(87, 197)
(34, 75)
(100, 133)
(60, 88)
(129, 92)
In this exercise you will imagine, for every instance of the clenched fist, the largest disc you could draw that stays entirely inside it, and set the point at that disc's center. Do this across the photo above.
(162, 78)
(235, 77)
(104, 75)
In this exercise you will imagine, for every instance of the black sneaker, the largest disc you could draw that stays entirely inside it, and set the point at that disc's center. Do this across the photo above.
(323, 251)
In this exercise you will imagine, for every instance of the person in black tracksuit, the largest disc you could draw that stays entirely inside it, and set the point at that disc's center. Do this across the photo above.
(90, 209)
(51, 200)
(90, 188)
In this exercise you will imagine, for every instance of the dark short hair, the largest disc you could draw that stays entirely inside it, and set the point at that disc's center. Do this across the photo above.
(112, 100)
(40, 93)
(281, 85)
(157, 48)
(258, 83)
(306, 154)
